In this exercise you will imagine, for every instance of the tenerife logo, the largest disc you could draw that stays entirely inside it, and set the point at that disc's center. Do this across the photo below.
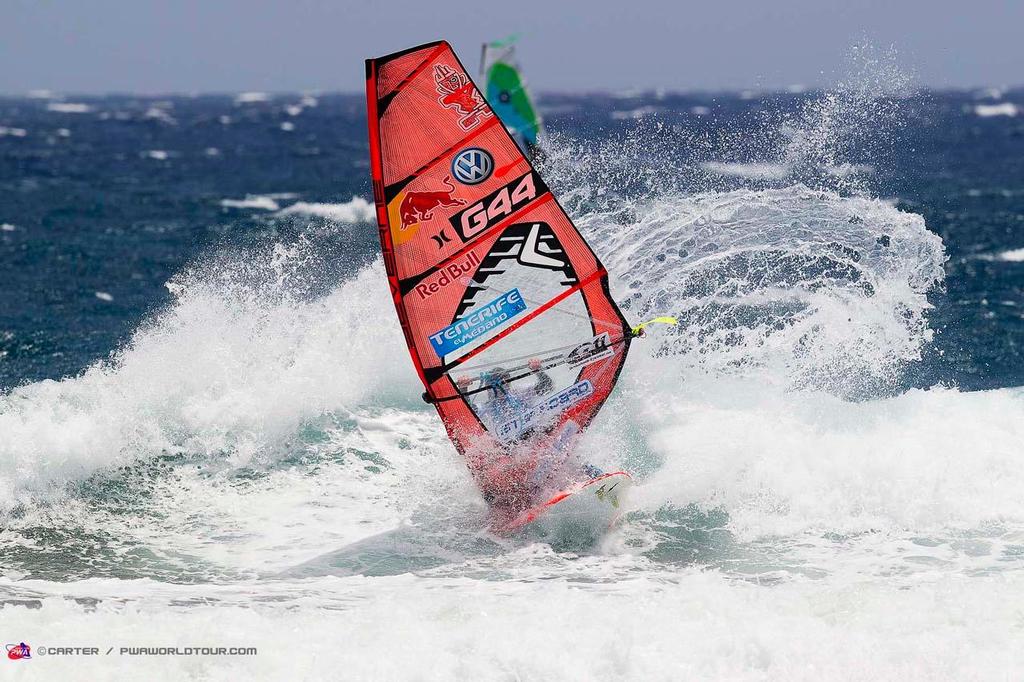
(471, 327)
(16, 652)
(456, 92)
(501, 203)
(472, 166)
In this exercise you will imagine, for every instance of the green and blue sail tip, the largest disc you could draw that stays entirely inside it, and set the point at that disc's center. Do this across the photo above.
(510, 102)
(510, 40)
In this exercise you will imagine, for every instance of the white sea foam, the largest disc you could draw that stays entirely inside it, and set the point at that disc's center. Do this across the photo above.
(358, 210)
(812, 463)
(287, 126)
(251, 97)
(687, 625)
(7, 227)
(1013, 256)
(990, 93)
(846, 170)
(831, 288)
(639, 112)
(258, 201)
(160, 113)
(157, 154)
(1010, 256)
(1001, 109)
(13, 132)
(171, 389)
(751, 171)
(69, 107)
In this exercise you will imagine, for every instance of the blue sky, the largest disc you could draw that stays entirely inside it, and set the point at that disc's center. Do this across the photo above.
(95, 46)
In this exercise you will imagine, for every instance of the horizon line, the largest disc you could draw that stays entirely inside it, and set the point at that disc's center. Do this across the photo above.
(796, 89)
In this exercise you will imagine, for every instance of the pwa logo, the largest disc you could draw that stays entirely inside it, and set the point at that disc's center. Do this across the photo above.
(17, 652)
(497, 205)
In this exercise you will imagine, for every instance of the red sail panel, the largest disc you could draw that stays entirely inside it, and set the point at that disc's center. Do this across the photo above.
(505, 308)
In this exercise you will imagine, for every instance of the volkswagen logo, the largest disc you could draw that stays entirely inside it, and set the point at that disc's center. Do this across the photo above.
(472, 166)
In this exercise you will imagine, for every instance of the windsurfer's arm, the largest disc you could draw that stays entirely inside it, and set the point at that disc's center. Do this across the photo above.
(544, 382)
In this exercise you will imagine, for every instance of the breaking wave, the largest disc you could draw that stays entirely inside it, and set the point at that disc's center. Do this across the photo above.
(357, 210)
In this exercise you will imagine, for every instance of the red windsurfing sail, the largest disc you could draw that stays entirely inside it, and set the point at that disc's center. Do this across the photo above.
(504, 306)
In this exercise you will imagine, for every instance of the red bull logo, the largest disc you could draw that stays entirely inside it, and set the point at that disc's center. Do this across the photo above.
(448, 274)
(419, 206)
(458, 93)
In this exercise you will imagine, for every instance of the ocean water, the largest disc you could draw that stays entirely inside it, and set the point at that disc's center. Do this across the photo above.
(211, 434)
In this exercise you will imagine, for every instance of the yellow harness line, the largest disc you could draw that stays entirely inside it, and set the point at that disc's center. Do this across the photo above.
(639, 329)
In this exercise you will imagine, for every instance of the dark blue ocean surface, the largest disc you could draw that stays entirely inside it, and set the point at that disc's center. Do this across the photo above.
(102, 203)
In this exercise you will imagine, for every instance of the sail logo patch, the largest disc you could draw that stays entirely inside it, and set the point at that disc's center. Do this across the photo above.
(448, 274)
(487, 318)
(530, 245)
(557, 403)
(20, 651)
(420, 206)
(472, 166)
(588, 352)
(457, 92)
(497, 205)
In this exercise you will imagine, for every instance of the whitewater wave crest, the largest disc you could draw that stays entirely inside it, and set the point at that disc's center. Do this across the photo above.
(356, 210)
(228, 370)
